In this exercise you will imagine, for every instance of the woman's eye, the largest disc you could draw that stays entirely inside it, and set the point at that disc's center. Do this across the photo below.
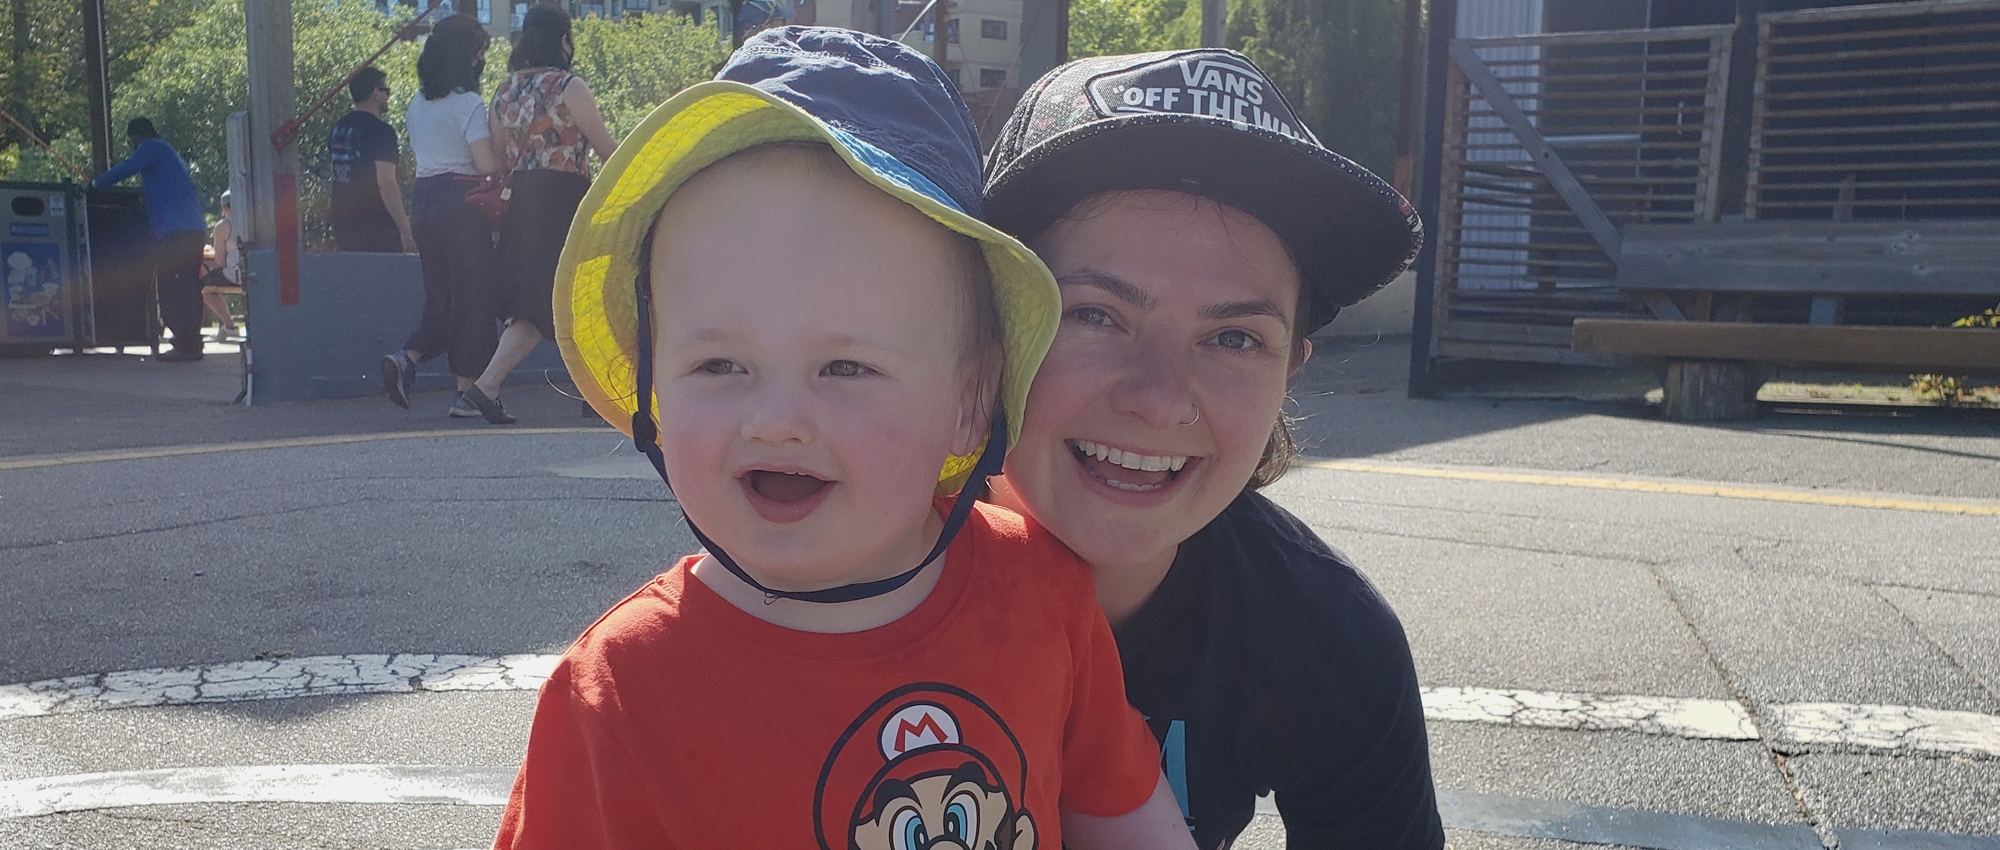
(1090, 316)
(1235, 340)
(844, 369)
(719, 366)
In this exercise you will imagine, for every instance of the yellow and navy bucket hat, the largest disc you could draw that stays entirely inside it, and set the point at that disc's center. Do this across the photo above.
(887, 110)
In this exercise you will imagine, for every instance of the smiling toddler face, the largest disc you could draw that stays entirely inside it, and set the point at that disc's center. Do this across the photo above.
(810, 364)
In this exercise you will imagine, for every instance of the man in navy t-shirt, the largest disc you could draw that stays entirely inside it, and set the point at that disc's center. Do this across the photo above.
(173, 208)
(367, 201)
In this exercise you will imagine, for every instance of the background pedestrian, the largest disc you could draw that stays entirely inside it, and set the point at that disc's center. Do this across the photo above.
(545, 123)
(222, 271)
(173, 210)
(367, 198)
(452, 144)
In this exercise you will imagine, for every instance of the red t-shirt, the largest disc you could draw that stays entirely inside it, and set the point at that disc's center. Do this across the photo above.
(679, 721)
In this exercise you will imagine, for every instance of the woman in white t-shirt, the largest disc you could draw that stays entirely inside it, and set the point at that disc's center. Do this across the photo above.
(450, 139)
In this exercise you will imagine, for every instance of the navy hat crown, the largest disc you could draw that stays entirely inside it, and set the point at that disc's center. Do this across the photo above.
(876, 90)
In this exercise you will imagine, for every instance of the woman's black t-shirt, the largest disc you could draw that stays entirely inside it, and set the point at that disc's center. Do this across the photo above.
(1266, 663)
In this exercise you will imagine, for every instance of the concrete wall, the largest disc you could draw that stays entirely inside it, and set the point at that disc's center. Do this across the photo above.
(353, 308)
(1386, 313)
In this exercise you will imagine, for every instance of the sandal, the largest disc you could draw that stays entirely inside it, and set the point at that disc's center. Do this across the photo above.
(491, 408)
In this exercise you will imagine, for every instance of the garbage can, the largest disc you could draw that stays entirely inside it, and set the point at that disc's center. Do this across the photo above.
(46, 292)
(117, 245)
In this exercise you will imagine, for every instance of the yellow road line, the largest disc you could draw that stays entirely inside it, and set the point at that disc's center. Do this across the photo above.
(1630, 485)
(150, 453)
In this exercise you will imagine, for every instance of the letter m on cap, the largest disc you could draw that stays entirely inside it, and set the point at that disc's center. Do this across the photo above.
(917, 726)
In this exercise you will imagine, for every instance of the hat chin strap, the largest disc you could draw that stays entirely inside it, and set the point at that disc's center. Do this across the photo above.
(646, 436)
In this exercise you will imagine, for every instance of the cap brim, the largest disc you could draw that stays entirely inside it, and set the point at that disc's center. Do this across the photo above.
(1348, 231)
(595, 303)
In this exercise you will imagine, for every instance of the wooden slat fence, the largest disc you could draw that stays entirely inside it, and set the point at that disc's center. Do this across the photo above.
(1597, 131)
(1887, 111)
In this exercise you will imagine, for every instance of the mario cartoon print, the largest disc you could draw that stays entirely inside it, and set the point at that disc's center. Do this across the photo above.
(928, 767)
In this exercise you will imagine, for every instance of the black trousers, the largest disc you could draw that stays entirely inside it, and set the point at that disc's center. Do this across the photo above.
(455, 244)
(176, 262)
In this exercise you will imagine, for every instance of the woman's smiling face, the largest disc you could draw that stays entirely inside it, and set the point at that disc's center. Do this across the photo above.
(1171, 304)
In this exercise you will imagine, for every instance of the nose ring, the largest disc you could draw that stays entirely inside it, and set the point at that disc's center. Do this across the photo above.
(1197, 417)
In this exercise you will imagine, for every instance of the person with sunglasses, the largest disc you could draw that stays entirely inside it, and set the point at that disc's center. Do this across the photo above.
(367, 199)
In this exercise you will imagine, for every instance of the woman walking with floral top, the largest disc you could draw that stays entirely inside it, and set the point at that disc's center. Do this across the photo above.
(545, 122)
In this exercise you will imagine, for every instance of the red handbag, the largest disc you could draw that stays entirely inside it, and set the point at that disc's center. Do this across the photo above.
(491, 196)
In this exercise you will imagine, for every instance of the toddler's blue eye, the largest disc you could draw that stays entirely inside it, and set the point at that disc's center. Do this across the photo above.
(844, 369)
(1091, 315)
(719, 366)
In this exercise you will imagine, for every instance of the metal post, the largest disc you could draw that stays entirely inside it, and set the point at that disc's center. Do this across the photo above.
(1443, 23)
(1214, 22)
(1412, 91)
(885, 18)
(274, 188)
(940, 14)
(97, 85)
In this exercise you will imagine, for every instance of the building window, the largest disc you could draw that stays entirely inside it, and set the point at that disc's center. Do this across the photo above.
(950, 31)
(953, 74)
(590, 10)
(989, 28)
(992, 78)
(520, 15)
(638, 5)
(485, 9)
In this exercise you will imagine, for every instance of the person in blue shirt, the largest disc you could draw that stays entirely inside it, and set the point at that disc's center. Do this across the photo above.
(173, 208)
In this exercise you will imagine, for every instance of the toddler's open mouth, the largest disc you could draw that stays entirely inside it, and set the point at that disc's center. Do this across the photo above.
(784, 497)
(1129, 471)
(785, 486)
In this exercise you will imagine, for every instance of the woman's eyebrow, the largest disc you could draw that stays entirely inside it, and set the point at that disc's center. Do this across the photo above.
(1113, 285)
(1248, 307)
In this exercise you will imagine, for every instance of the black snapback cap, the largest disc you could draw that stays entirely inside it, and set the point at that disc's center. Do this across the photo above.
(1207, 122)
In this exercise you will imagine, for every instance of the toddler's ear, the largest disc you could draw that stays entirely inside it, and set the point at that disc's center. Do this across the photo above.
(977, 404)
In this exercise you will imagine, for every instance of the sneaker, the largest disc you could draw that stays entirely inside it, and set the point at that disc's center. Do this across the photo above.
(491, 408)
(179, 355)
(462, 409)
(399, 378)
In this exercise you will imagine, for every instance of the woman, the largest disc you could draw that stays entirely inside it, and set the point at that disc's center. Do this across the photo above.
(222, 271)
(451, 140)
(1200, 235)
(544, 119)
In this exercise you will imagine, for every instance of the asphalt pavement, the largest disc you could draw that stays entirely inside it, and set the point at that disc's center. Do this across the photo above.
(1779, 633)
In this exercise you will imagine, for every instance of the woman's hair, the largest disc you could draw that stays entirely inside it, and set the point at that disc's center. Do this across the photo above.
(542, 34)
(449, 62)
(1281, 446)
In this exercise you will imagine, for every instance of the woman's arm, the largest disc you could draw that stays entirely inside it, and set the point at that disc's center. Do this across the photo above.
(1155, 825)
(582, 107)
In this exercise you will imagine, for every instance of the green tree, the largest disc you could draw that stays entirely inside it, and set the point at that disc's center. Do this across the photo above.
(44, 74)
(634, 64)
(1112, 27)
(1339, 63)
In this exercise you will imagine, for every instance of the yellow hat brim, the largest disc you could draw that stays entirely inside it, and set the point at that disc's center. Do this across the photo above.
(596, 308)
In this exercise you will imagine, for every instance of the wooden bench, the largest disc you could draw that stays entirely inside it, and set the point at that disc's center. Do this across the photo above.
(1697, 279)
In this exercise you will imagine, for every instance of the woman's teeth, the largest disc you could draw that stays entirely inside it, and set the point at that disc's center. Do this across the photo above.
(1131, 460)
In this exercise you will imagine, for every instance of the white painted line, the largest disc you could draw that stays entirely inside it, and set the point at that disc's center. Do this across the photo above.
(489, 786)
(284, 783)
(1890, 727)
(1710, 719)
(1894, 728)
(246, 681)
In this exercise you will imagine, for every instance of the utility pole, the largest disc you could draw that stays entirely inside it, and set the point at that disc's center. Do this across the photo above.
(885, 18)
(1412, 93)
(96, 83)
(1214, 22)
(940, 14)
(274, 171)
